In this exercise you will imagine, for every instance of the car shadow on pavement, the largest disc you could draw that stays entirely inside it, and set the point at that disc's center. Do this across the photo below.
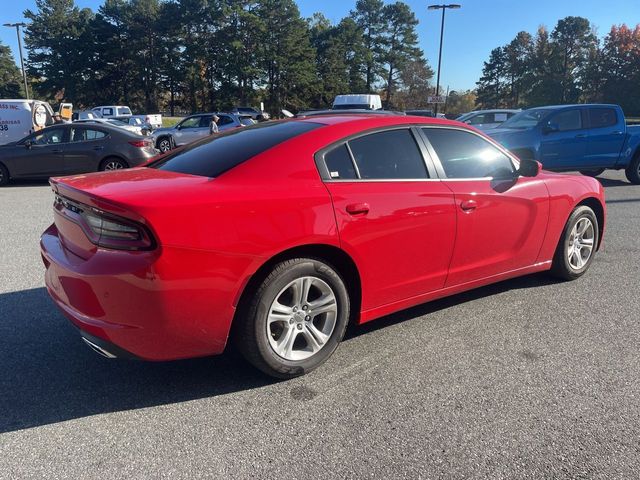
(47, 375)
(612, 182)
(27, 183)
(528, 281)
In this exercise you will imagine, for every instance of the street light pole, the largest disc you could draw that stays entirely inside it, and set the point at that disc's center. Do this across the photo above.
(443, 8)
(24, 72)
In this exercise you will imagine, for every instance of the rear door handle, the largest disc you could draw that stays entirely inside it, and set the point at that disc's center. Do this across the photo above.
(581, 135)
(358, 208)
(616, 133)
(98, 147)
(468, 205)
(56, 151)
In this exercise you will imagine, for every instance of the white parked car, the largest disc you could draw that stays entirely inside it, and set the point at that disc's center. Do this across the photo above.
(116, 123)
(85, 115)
(114, 111)
(487, 119)
(19, 118)
(356, 102)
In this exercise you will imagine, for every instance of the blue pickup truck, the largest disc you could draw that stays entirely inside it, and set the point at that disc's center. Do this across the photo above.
(588, 138)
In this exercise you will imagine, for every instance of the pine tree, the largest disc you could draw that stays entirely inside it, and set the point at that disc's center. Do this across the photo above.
(60, 49)
(369, 16)
(400, 46)
(10, 77)
(492, 86)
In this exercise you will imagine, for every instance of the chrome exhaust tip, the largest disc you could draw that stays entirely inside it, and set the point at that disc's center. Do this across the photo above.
(98, 349)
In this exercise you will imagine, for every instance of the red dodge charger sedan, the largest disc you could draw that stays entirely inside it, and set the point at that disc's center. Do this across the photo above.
(278, 235)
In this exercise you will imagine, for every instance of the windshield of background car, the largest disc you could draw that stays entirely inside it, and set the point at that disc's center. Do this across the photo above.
(351, 106)
(526, 119)
(216, 154)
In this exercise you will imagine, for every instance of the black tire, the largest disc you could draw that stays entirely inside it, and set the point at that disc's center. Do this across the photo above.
(592, 173)
(561, 266)
(112, 163)
(164, 144)
(633, 170)
(4, 175)
(252, 336)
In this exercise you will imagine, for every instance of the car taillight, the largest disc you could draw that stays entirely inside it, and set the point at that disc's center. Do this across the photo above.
(141, 143)
(115, 232)
(105, 229)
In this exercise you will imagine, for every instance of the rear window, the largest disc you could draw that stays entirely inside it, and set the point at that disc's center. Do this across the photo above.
(602, 117)
(217, 154)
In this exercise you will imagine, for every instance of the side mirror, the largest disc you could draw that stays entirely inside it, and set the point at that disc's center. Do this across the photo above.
(550, 128)
(529, 168)
(28, 144)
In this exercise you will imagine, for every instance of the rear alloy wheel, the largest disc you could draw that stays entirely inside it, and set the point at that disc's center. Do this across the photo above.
(297, 318)
(592, 173)
(633, 170)
(164, 144)
(577, 245)
(4, 175)
(112, 164)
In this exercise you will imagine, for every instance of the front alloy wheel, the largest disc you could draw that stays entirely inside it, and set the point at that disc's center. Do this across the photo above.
(577, 244)
(581, 243)
(295, 319)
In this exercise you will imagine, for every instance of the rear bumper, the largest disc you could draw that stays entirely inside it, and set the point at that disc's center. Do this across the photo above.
(147, 305)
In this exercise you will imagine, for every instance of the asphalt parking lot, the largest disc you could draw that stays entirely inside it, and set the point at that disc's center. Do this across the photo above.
(529, 378)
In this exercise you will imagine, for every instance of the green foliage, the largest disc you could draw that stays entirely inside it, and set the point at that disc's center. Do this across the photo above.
(60, 49)
(197, 55)
(567, 66)
(10, 76)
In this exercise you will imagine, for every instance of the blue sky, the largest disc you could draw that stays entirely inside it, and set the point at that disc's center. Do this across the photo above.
(470, 33)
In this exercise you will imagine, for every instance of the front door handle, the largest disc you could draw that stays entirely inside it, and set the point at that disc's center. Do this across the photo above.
(56, 151)
(468, 205)
(581, 135)
(98, 147)
(358, 208)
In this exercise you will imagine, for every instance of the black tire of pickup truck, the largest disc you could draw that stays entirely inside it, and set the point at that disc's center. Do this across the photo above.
(592, 173)
(633, 170)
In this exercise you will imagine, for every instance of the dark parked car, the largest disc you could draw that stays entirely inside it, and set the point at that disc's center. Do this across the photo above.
(73, 148)
(421, 113)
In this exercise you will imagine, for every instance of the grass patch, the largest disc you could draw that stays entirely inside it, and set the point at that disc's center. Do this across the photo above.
(170, 121)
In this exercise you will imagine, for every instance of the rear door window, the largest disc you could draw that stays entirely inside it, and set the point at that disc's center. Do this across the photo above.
(83, 135)
(339, 164)
(392, 154)
(124, 111)
(602, 117)
(224, 120)
(107, 111)
(217, 154)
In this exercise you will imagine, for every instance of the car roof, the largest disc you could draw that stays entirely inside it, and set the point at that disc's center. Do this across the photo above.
(373, 120)
(574, 105)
